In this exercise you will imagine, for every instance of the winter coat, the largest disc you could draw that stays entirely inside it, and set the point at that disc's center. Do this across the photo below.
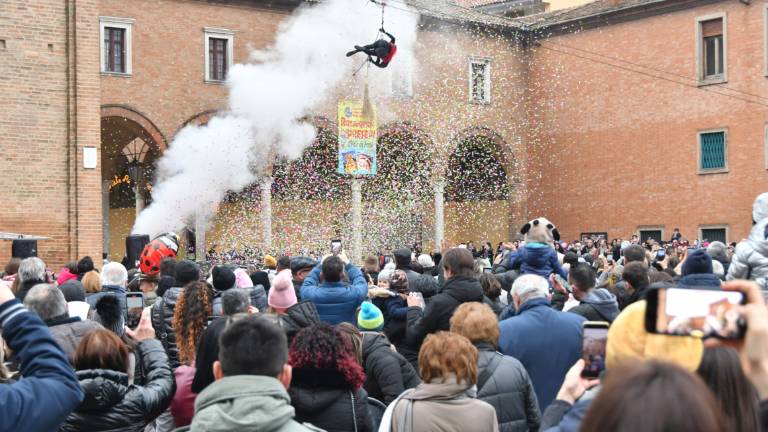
(25, 286)
(751, 258)
(302, 314)
(49, 390)
(437, 314)
(336, 302)
(162, 322)
(245, 403)
(508, 389)
(700, 280)
(332, 409)
(495, 305)
(106, 290)
(112, 405)
(68, 332)
(440, 406)
(425, 284)
(297, 287)
(598, 305)
(539, 259)
(395, 312)
(560, 416)
(546, 341)
(183, 402)
(387, 373)
(257, 294)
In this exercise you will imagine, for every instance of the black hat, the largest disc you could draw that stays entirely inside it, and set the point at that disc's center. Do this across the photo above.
(402, 257)
(73, 290)
(187, 271)
(301, 262)
(260, 278)
(223, 278)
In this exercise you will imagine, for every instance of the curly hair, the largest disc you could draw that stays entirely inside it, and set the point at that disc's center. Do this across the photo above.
(320, 352)
(192, 310)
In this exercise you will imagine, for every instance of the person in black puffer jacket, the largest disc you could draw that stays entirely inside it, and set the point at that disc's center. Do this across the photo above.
(326, 388)
(461, 286)
(301, 315)
(502, 381)
(163, 309)
(110, 403)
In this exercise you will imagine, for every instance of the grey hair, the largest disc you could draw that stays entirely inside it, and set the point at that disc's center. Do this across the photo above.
(114, 273)
(717, 249)
(530, 286)
(32, 268)
(235, 300)
(47, 301)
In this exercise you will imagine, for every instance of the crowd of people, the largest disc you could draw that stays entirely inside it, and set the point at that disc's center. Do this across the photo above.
(460, 340)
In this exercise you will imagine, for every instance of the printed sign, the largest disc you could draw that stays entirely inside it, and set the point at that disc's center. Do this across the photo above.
(357, 139)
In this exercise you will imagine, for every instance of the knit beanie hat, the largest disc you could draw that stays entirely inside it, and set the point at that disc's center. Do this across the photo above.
(282, 295)
(697, 262)
(222, 278)
(73, 290)
(760, 208)
(242, 280)
(426, 261)
(370, 317)
(187, 271)
(628, 341)
(398, 281)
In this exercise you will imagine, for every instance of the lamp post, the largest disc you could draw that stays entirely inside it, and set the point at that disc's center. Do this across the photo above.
(135, 152)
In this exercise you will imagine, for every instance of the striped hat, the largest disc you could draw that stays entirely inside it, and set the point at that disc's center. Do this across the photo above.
(370, 317)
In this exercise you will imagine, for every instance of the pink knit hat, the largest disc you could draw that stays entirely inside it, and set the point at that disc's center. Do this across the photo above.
(281, 294)
(242, 280)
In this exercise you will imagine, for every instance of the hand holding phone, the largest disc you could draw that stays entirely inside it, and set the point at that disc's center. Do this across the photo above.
(702, 313)
(335, 247)
(415, 299)
(594, 339)
(574, 385)
(134, 305)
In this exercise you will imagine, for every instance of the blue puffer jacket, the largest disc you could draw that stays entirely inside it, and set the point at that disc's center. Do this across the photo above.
(49, 390)
(546, 341)
(336, 301)
(539, 259)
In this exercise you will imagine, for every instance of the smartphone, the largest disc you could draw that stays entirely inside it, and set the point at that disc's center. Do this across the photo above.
(702, 313)
(488, 270)
(594, 338)
(135, 304)
(563, 282)
(335, 247)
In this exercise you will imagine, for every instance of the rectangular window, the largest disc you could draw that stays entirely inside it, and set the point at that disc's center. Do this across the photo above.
(711, 234)
(653, 233)
(480, 80)
(115, 45)
(711, 43)
(218, 54)
(712, 151)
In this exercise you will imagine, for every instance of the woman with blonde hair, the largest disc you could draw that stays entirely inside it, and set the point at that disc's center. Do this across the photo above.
(502, 380)
(92, 282)
(446, 399)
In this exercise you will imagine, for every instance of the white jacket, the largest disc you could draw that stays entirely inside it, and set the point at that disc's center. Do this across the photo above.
(751, 258)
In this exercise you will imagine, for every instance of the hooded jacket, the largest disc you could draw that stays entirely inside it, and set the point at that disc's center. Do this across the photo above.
(446, 406)
(256, 293)
(332, 409)
(111, 404)
(162, 322)
(245, 402)
(751, 258)
(336, 302)
(539, 259)
(437, 314)
(546, 341)
(387, 372)
(598, 305)
(67, 333)
(508, 389)
(302, 314)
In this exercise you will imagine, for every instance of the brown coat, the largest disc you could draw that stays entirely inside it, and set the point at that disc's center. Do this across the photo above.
(445, 407)
(67, 334)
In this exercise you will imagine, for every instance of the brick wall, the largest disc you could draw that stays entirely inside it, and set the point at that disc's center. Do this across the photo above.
(614, 150)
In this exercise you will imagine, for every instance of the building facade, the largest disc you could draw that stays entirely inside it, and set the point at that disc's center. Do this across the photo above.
(603, 119)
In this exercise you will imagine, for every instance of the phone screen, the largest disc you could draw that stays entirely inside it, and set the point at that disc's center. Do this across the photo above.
(488, 270)
(699, 313)
(135, 304)
(594, 340)
(335, 246)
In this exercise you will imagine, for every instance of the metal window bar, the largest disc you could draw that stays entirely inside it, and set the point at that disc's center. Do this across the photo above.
(713, 150)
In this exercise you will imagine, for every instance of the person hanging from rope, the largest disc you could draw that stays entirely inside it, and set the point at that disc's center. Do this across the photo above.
(380, 53)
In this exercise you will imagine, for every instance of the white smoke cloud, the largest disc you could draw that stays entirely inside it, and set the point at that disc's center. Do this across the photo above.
(268, 99)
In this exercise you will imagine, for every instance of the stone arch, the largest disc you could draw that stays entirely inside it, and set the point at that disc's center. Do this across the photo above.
(199, 119)
(477, 166)
(128, 113)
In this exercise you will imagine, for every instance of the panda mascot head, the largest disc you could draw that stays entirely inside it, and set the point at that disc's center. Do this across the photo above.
(540, 230)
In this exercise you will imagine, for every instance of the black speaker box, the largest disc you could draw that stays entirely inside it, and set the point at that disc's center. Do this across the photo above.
(134, 244)
(23, 248)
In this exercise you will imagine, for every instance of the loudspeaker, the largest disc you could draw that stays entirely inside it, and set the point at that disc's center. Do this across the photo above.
(134, 244)
(23, 248)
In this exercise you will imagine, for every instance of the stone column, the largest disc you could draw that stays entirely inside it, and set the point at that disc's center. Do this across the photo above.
(357, 221)
(200, 227)
(266, 212)
(138, 192)
(439, 188)
(105, 184)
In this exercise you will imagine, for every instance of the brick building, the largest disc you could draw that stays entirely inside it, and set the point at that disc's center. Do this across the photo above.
(566, 104)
